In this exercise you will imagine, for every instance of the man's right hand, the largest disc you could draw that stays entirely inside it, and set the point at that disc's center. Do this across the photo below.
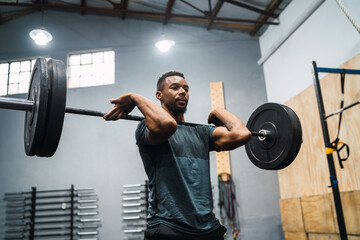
(123, 106)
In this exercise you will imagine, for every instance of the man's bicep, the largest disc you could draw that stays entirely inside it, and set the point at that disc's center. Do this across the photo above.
(219, 138)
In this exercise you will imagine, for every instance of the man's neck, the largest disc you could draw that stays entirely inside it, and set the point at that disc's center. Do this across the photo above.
(179, 117)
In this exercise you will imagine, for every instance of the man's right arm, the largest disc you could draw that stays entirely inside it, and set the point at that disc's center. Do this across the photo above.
(159, 123)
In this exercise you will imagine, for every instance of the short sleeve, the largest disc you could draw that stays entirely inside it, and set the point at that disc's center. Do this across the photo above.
(140, 134)
(211, 142)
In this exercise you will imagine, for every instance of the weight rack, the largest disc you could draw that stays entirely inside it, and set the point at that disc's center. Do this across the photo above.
(135, 206)
(333, 178)
(62, 214)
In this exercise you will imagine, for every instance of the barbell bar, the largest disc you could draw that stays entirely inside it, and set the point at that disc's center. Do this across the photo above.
(27, 105)
(277, 127)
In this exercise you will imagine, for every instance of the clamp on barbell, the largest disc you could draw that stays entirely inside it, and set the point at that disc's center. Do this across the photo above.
(263, 134)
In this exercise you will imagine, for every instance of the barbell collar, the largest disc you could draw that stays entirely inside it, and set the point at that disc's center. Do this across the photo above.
(262, 134)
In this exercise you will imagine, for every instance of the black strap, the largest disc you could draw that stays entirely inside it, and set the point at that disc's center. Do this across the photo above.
(347, 154)
(335, 143)
(342, 76)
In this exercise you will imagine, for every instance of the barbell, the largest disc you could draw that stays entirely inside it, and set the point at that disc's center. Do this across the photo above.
(276, 129)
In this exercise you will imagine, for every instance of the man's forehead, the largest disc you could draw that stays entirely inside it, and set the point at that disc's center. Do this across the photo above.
(175, 79)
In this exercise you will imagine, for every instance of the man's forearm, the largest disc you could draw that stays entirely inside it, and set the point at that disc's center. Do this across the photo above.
(157, 120)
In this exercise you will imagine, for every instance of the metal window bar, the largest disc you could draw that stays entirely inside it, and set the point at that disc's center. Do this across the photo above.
(333, 178)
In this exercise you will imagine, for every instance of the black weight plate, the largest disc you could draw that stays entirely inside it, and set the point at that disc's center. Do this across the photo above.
(280, 149)
(55, 108)
(35, 120)
(297, 139)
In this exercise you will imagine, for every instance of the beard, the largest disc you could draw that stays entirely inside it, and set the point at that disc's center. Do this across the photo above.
(179, 109)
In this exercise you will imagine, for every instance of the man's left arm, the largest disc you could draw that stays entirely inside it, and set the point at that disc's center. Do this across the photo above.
(231, 131)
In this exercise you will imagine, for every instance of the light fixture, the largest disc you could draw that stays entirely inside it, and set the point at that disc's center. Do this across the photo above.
(164, 45)
(40, 35)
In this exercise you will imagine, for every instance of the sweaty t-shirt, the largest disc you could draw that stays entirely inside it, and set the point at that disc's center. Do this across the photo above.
(179, 178)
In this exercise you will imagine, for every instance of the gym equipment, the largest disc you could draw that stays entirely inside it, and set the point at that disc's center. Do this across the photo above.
(276, 129)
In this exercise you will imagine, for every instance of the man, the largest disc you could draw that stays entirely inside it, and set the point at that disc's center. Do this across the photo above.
(176, 159)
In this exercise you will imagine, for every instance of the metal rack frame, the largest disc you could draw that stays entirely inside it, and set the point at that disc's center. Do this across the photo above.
(333, 178)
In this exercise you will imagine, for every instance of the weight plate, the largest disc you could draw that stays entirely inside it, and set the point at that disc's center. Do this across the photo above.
(282, 144)
(35, 120)
(55, 109)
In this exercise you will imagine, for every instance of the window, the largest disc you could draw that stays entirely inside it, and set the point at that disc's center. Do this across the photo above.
(91, 69)
(15, 76)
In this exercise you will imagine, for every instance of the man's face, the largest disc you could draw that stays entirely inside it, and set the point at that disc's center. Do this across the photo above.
(174, 95)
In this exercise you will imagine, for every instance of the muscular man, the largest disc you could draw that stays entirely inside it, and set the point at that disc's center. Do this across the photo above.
(176, 160)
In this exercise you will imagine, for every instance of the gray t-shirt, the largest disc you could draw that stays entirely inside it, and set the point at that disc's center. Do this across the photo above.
(179, 179)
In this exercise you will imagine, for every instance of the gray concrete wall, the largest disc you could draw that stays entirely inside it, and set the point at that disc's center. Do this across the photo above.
(103, 155)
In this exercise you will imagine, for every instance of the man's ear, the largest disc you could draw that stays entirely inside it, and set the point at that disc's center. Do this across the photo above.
(159, 95)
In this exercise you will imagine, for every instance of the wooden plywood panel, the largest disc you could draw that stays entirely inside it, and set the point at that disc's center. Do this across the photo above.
(217, 95)
(223, 163)
(351, 208)
(295, 236)
(323, 236)
(318, 214)
(291, 215)
(350, 202)
(309, 175)
(222, 158)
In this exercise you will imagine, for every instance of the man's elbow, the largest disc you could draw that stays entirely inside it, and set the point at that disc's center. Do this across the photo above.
(170, 126)
(166, 128)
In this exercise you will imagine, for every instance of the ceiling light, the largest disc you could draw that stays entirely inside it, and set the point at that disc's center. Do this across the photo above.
(40, 36)
(164, 45)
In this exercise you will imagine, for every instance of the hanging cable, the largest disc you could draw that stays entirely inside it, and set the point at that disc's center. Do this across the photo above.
(227, 203)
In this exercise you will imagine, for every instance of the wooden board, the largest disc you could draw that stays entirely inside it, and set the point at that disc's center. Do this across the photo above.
(318, 214)
(350, 202)
(295, 236)
(222, 158)
(291, 215)
(308, 175)
(324, 236)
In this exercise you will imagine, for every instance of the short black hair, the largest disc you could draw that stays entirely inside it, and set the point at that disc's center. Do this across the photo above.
(165, 75)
